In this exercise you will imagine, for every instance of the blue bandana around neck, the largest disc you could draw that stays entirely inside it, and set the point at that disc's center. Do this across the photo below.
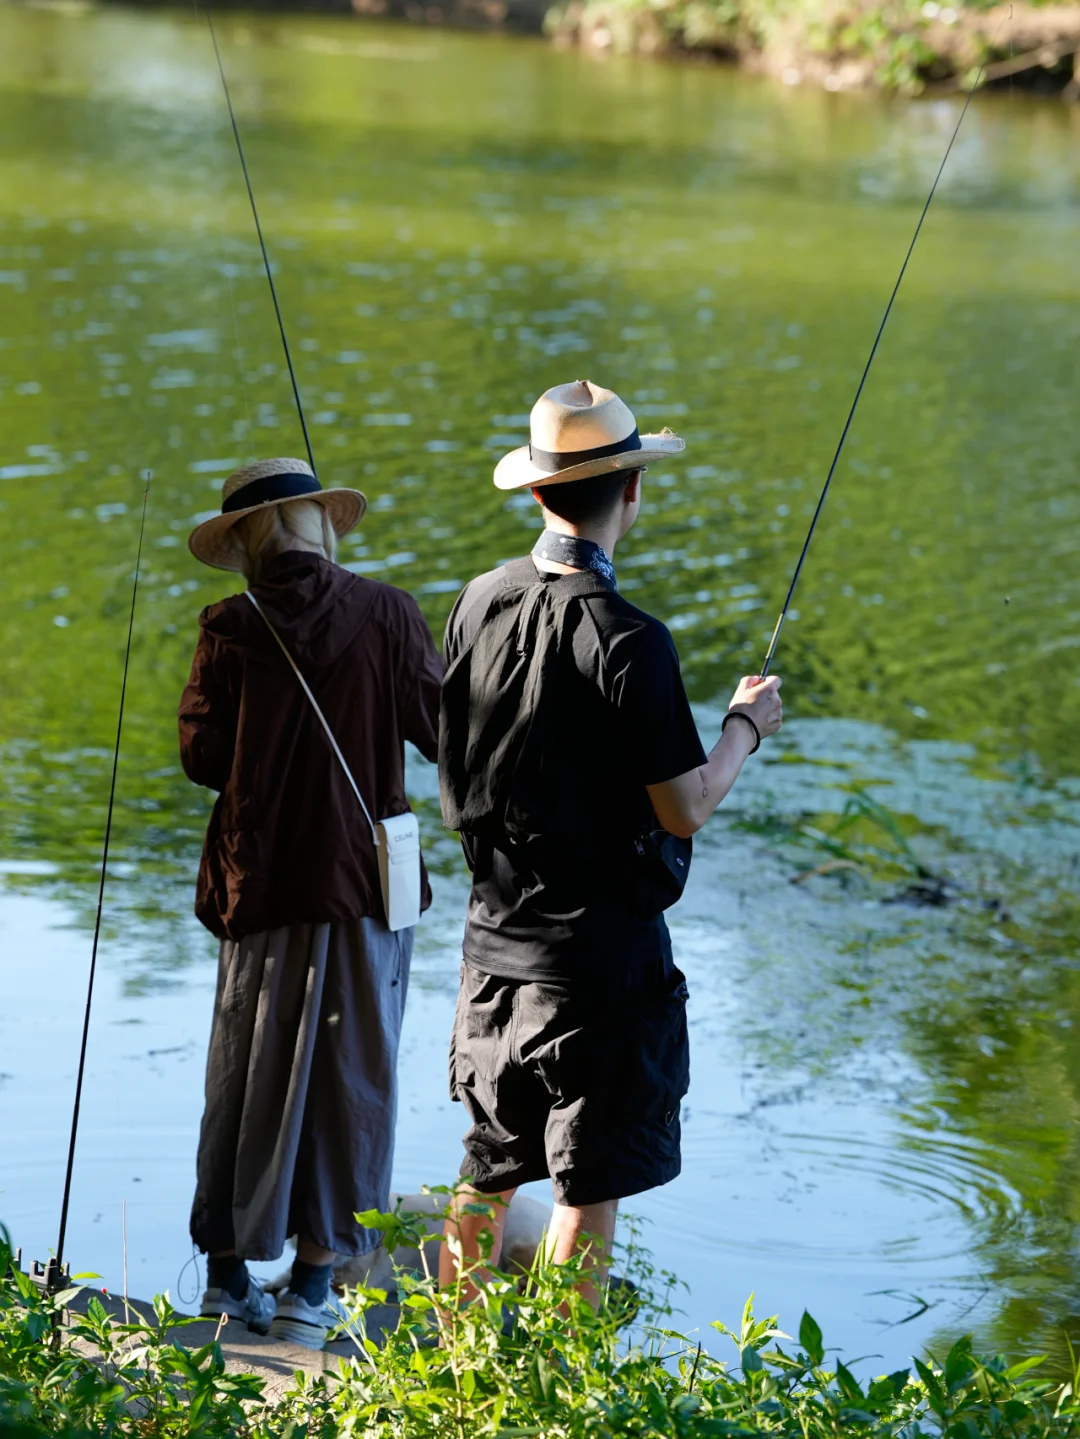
(577, 553)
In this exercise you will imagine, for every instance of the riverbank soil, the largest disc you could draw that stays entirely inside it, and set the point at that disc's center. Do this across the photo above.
(841, 45)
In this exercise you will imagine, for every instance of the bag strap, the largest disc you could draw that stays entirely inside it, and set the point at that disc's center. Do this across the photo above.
(322, 718)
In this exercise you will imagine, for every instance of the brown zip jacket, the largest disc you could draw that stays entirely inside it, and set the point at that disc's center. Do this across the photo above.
(287, 841)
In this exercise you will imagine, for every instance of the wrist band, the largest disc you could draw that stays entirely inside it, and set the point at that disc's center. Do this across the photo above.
(741, 714)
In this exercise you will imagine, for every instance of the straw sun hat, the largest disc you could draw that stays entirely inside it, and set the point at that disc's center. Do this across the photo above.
(268, 482)
(577, 431)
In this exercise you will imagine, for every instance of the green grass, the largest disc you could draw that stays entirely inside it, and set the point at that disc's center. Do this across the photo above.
(460, 1370)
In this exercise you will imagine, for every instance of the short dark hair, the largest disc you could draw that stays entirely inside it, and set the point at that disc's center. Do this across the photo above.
(580, 502)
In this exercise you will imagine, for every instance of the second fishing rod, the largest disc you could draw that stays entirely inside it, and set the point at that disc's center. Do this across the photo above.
(54, 1274)
(775, 640)
(259, 232)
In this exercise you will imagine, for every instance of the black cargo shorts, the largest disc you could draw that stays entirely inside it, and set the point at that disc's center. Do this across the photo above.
(574, 1080)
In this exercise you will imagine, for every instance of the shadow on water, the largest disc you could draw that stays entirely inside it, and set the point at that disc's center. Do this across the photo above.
(881, 931)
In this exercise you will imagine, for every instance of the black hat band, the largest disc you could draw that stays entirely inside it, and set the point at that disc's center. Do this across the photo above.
(553, 460)
(271, 487)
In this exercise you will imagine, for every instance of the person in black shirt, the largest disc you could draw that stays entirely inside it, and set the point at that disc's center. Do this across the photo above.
(567, 750)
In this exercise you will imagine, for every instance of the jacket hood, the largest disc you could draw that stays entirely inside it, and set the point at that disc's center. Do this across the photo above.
(316, 606)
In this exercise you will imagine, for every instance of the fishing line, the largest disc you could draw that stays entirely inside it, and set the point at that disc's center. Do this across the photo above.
(862, 383)
(262, 242)
(227, 270)
(193, 1262)
(101, 898)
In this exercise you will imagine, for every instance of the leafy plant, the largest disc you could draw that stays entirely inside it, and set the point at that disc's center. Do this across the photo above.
(107, 1378)
(528, 1358)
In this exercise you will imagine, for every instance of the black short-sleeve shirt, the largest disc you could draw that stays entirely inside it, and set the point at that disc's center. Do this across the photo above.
(624, 722)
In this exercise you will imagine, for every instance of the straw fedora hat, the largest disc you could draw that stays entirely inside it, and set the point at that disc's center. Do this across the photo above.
(268, 482)
(579, 430)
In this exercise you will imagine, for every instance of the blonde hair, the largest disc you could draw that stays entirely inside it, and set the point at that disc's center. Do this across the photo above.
(271, 530)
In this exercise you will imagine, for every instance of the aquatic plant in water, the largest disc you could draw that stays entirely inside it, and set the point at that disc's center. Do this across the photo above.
(530, 1358)
(864, 838)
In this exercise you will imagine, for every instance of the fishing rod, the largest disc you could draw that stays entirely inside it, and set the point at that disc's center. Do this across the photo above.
(53, 1273)
(862, 384)
(262, 242)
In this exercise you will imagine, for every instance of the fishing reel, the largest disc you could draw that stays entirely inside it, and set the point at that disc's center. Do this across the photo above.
(50, 1277)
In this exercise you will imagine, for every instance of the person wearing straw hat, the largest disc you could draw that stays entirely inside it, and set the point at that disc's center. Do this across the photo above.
(570, 763)
(298, 1129)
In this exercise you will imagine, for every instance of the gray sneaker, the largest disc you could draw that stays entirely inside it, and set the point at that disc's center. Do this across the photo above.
(256, 1309)
(302, 1323)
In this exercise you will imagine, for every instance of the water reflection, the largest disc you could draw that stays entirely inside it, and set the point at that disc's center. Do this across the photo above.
(885, 1096)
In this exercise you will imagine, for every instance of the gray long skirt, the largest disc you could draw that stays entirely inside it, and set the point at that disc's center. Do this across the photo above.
(301, 1087)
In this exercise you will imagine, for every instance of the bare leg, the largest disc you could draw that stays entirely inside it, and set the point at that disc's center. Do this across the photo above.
(467, 1228)
(308, 1252)
(592, 1225)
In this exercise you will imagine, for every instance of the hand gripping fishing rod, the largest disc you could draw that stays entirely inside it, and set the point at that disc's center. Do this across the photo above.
(262, 242)
(52, 1275)
(862, 384)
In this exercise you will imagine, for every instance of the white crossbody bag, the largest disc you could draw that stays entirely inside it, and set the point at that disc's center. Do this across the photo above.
(396, 840)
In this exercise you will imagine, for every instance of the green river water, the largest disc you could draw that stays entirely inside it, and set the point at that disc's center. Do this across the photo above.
(884, 1121)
